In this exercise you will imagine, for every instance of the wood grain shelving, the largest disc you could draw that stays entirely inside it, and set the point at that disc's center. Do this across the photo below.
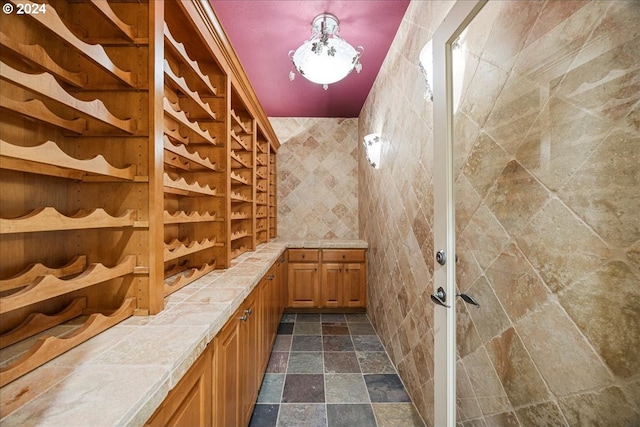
(111, 144)
(48, 159)
(95, 53)
(45, 84)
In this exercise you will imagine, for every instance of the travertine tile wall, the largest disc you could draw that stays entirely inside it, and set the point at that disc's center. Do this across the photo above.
(317, 178)
(547, 213)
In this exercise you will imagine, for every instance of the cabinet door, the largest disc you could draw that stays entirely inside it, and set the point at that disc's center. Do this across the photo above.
(189, 403)
(228, 369)
(354, 285)
(331, 285)
(303, 285)
(250, 353)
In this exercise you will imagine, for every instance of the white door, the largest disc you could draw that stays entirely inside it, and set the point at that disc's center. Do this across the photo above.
(444, 292)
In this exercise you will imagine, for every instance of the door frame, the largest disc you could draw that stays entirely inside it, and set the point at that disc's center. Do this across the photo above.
(444, 378)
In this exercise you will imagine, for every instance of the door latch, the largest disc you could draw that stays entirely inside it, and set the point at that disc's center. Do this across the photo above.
(440, 297)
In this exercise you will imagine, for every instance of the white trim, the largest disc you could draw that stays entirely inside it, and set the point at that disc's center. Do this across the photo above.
(444, 379)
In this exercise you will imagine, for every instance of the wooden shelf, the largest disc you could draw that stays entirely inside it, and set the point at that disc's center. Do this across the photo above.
(179, 185)
(45, 84)
(49, 159)
(181, 84)
(194, 127)
(50, 286)
(127, 31)
(179, 49)
(241, 162)
(183, 278)
(35, 109)
(235, 178)
(94, 53)
(239, 216)
(194, 157)
(239, 234)
(47, 348)
(36, 54)
(177, 248)
(49, 219)
(38, 322)
(238, 251)
(33, 271)
(182, 217)
(236, 197)
(239, 122)
(239, 142)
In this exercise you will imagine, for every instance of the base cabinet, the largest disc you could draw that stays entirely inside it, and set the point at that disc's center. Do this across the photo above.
(221, 387)
(327, 278)
(189, 403)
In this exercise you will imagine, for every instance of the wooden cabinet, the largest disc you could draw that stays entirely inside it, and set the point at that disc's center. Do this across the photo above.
(304, 278)
(189, 403)
(242, 349)
(343, 278)
(328, 278)
(134, 159)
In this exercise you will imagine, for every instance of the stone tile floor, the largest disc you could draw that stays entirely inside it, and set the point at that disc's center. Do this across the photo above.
(331, 370)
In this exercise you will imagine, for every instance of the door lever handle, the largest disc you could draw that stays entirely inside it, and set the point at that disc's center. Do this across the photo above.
(468, 299)
(440, 297)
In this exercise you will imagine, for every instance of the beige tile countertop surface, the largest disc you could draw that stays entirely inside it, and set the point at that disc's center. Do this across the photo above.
(121, 376)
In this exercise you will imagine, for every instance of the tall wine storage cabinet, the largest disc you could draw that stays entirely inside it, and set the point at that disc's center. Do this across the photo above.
(134, 159)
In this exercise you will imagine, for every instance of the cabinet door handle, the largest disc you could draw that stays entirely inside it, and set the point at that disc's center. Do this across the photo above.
(243, 318)
(248, 311)
(270, 277)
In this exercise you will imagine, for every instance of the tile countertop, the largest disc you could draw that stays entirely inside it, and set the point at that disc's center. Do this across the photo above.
(121, 376)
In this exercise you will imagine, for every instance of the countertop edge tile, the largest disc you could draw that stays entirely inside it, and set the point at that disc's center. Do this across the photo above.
(252, 265)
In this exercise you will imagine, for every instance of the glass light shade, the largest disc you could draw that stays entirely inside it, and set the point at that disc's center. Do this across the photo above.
(325, 69)
(325, 58)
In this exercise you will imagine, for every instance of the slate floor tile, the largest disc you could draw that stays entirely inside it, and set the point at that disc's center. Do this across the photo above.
(386, 388)
(350, 416)
(367, 343)
(341, 361)
(302, 415)
(375, 362)
(306, 343)
(333, 318)
(337, 343)
(303, 388)
(397, 414)
(278, 362)
(307, 328)
(271, 388)
(305, 363)
(345, 388)
(362, 329)
(285, 328)
(264, 415)
(308, 317)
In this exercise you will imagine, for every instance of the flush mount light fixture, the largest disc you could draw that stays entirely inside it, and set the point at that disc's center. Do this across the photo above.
(373, 146)
(325, 58)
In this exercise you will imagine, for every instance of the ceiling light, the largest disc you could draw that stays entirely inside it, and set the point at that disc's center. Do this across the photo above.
(325, 58)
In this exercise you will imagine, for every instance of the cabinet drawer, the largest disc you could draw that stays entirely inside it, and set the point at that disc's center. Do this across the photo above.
(303, 255)
(343, 255)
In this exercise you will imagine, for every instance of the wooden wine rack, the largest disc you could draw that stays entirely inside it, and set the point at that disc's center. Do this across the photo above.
(134, 160)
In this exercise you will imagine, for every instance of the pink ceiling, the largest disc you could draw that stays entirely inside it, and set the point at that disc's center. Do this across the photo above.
(263, 32)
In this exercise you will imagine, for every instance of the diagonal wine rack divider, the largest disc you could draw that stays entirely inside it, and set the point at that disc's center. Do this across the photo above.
(46, 348)
(33, 271)
(48, 154)
(95, 53)
(46, 287)
(38, 322)
(49, 219)
(46, 85)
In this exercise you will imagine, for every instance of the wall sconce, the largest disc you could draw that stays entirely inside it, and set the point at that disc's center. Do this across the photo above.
(373, 148)
(426, 66)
